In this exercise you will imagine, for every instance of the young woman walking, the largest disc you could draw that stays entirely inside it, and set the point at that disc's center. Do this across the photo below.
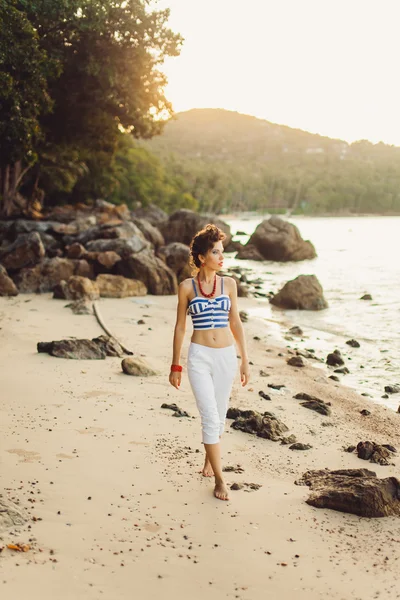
(211, 301)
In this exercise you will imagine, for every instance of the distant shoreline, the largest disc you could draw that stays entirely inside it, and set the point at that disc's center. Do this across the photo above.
(253, 214)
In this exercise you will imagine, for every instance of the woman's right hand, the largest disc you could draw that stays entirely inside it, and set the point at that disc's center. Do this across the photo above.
(175, 378)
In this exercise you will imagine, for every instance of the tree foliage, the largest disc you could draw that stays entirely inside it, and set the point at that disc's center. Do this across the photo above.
(96, 64)
(232, 162)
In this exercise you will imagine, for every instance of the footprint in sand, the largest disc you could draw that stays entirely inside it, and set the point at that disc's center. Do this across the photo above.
(90, 430)
(140, 443)
(152, 527)
(25, 455)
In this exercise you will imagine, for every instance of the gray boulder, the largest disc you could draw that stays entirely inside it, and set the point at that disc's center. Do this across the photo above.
(176, 257)
(159, 279)
(183, 224)
(7, 286)
(304, 292)
(26, 251)
(281, 241)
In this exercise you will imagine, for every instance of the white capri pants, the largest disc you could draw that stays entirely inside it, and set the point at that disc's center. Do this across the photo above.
(211, 372)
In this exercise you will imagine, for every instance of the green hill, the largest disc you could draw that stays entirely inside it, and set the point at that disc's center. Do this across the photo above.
(230, 161)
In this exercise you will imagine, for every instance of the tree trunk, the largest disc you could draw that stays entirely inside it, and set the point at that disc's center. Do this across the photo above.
(10, 179)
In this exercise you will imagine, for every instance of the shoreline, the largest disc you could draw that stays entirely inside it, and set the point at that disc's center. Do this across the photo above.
(110, 485)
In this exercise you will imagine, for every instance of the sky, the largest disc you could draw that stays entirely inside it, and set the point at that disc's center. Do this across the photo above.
(325, 66)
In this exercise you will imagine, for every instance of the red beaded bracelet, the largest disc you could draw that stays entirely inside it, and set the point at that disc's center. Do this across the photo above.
(176, 368)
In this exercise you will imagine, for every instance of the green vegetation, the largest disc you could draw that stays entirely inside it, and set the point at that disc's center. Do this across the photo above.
(234, 162)
(81, 88)
(73, 75)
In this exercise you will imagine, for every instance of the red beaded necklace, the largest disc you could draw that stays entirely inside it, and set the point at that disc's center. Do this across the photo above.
(213, 290)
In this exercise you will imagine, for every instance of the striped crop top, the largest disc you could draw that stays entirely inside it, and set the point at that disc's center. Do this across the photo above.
(210, 313)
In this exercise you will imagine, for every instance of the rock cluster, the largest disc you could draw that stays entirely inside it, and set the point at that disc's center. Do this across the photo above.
(121, 253)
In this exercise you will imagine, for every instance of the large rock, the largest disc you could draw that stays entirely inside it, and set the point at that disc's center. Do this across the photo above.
(26, 251)
(11, 515)
(137, 367)
(7, 286)
(264, 425)
(249, 252)
(47, 274)
(279, 240)
(95, 349)
(304, 292)
(183, 224)
(77, 288)
(117, 286)
(159, 279)
(107, 231)
(176, 256)
(151, 233)
(153, 214)
(121, 246)
(356, 491)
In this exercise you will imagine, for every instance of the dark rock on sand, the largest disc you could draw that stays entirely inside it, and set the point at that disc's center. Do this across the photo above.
(137, 367)
(77, 288)
(264, 395)
(263, 425)
(365, 412)
(356, 491)
(304, 292)
(95, 349)
(334, 377)
(353, 343)
(296, 361)
(342, 370)
(375, 453)
(366, 297)
(281, 241)
(300, 446)
(296, 330)
(392, 389)
(334, 359)
(178, 412)
(276, 386)
(314, 403)
(7, 286)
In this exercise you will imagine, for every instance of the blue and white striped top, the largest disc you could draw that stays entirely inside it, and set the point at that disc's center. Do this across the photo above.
(210, 313)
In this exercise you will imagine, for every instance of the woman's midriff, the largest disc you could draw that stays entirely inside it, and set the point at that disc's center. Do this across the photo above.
(214, 338)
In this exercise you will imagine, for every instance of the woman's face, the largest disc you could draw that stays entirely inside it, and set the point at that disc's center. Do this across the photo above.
(214, 258)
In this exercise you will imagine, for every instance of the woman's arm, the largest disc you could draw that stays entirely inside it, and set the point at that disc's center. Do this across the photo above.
(238, 331)
(179, 332)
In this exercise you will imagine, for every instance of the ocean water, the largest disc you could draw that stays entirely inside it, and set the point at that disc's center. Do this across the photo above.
(356, 255)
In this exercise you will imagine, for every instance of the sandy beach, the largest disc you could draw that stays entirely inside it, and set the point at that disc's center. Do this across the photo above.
(110, 484)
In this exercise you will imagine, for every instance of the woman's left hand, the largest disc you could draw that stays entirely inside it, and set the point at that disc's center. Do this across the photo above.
(244, 373)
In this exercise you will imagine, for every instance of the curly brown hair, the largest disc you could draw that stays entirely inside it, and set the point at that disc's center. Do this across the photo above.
(202, 242)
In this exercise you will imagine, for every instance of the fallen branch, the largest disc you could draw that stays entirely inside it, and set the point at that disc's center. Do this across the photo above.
(108, 332)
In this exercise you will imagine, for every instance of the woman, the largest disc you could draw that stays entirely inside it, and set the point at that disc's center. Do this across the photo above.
(212, 363)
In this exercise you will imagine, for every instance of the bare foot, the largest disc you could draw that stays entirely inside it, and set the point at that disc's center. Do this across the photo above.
(221, 491)
(207, 469)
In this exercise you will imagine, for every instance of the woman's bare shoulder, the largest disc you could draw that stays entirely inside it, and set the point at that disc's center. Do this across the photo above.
(229, 282)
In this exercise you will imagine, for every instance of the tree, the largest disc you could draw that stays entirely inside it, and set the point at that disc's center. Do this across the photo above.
(108, 55)
(23, 98)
